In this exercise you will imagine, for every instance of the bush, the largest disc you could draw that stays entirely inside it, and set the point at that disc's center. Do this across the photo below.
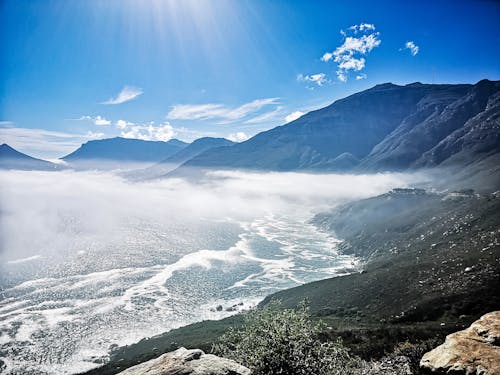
(415, 351)
(404, 360)
(275, 341)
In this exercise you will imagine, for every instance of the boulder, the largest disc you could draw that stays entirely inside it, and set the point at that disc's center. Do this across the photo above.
(473, 351)
(188, 362)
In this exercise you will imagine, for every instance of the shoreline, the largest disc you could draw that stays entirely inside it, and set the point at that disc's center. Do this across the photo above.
(412, 287)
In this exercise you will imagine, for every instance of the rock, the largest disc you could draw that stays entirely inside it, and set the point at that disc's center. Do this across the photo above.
(219, 308)
(188, 362)
(473, 351)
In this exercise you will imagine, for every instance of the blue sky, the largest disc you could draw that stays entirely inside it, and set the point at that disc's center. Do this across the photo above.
(77, 70)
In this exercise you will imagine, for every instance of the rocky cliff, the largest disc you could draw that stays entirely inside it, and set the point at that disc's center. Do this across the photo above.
(473, 351)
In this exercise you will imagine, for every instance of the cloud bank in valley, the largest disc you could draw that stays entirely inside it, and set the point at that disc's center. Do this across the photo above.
(93, 250)
(45, 211)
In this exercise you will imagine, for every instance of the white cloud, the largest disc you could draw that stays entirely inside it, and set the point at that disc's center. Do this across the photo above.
(341, 75)
(361, 27)
(128, 93)
(94, 135)
(327, 56)
(163, 132)
(196, 111)
(412, 47)
(352, 45)
(42, 143)
(238, 137)
(268, 116)
(352, 64)
(149, 132)
(218, 111)
(293, 116)
(122, 124)
(319, 78)
(361, 76)
(350, 54)
(97, 120)
(101, 121)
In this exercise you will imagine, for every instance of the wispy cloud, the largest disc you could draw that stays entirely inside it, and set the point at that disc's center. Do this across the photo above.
(128, 93)
(350, 55)
(94, 135)
(238, 137)
(410, 45)
(97, 120)
(41, 143)
(218, 111)
(318, 78)
(361, 76)
(293, 116)
(122, 124)
(265, 117)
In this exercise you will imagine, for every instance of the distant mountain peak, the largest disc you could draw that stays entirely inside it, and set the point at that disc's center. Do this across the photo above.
(414, 84)
(10, 158)
(113, 152)
(194, 149)
(7, 151)
(5, 146)
(385, 85)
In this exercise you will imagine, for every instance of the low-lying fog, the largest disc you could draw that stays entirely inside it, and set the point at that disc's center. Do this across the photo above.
(88, 260)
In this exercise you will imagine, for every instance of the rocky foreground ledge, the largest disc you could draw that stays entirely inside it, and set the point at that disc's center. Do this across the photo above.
(188, 362)
(473, 351)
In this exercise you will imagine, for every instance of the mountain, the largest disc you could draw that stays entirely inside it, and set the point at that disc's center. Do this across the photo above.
(13, 159)
(443, 131)
(197, 147)
(385, 128)
(192, 150)
(118, 151)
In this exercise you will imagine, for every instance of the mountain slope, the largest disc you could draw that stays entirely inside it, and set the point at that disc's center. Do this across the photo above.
(126, 149)
(385, 128)
(428, 257)
(13, 159)
(479, 136)
(197, 147)
(413, 143)
(116, 151)
(192, 150)
(347, 129)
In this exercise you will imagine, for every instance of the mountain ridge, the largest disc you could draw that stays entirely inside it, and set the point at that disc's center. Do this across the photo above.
(113, 152)
(385, 128)
(192, 150)
(10, 158)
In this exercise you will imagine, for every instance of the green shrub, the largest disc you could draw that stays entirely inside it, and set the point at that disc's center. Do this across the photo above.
(275, 341)
(414, 351)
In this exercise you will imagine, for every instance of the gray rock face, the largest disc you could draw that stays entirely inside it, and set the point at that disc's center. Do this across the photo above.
(188, 362)
(473, 351)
